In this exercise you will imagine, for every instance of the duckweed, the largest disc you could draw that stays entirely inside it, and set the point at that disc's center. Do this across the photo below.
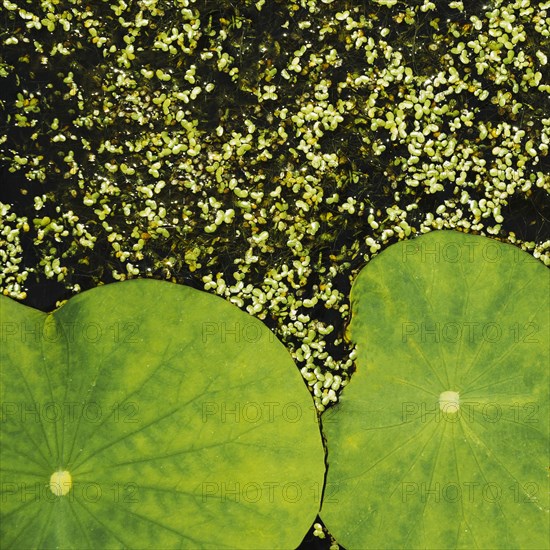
(264, 151)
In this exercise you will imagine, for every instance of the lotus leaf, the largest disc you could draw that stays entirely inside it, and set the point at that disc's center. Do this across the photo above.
(146, 414)
(441, 438)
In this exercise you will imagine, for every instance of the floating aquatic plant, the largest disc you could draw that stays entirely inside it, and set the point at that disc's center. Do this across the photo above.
(440, 440)
(147, 414)
(263, 151)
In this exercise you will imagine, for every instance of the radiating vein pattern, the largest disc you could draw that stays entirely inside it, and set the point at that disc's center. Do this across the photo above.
(441, 438)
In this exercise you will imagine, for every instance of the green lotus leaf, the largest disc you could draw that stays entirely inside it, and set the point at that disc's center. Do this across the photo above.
(441, 438)
(145, 414)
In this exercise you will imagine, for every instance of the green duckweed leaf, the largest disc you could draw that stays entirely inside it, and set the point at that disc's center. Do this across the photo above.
(145, 414)
(441, 438)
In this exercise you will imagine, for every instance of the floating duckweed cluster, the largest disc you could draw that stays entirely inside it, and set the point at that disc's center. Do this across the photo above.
(11, 251)
(265, 151)
(321, 532)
